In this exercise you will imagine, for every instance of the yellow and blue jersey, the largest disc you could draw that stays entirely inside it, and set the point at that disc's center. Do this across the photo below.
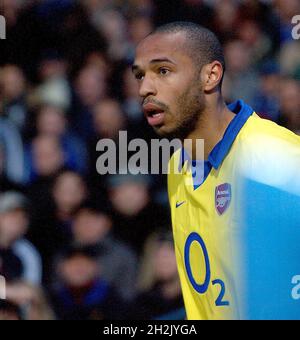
(215, 220)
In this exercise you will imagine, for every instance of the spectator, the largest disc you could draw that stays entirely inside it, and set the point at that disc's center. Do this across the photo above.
(225, 20)
(13, 159)
(239, 71)
(14, 223)
(51, 230)
(133, 209)
(159, 285)
(250, 32)
(108, 120)
(46, 157)
(290, 104)
(112, 24)
(267, 98)
(29, 302)
(289, 58)
(20, 263)
(83, 294)
(90, 88)
(13, 88)
(52, 121)
(77, 36)
(100, 61)
(69, 192)
(5, 183)
(55, 89)
(93, 228)
(131, 101)
(139, 27)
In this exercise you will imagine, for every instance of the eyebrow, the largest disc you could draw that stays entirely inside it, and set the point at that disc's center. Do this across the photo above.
(154, 61)
(161, 60)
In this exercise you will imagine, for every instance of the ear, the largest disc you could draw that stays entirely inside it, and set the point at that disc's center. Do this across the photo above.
(211, 76)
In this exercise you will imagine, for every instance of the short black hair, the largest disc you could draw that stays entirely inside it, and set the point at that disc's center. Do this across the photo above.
(72, 251)
(202, 45)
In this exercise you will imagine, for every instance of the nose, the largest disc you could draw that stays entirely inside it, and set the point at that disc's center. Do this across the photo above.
(147, 87)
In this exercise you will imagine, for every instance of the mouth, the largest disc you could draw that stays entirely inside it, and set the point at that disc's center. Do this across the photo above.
(154, 114)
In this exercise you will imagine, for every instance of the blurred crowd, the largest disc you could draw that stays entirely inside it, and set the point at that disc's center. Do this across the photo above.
(77, 245)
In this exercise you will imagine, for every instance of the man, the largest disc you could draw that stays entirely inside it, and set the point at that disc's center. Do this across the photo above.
(82, 293)
(19, 259)
(179, 68)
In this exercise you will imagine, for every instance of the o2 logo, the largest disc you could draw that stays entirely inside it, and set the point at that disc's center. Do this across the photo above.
(296, 29)
(296, 289)
(202, 288)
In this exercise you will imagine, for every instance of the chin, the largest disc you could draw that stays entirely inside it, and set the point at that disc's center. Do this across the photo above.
(164, 131)
(172, 134)
(159, 131)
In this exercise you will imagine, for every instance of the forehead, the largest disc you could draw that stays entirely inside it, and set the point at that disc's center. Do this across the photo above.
(160, 46)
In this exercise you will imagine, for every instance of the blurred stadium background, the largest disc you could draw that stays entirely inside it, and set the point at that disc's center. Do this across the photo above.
(76, 245)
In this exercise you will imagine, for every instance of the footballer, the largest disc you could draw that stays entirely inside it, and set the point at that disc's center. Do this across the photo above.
(236, 230)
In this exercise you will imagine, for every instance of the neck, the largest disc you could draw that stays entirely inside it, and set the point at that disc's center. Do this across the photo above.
(210, 128)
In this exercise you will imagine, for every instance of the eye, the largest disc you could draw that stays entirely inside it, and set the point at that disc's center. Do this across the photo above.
(139, 76)
(163, 71)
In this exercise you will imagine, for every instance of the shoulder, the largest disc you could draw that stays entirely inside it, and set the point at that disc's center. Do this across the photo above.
(258, 129)
(269, 153)
(23, 246)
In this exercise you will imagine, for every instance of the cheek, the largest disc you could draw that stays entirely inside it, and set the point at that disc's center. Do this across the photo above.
(178, 109)
(182, 96)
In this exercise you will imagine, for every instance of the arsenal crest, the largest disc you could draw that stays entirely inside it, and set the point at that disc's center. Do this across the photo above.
(222, 197)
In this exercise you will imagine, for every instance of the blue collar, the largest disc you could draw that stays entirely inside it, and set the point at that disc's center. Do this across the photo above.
(220, 151)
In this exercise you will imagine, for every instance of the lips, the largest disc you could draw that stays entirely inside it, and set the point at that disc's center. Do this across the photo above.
(154, 114)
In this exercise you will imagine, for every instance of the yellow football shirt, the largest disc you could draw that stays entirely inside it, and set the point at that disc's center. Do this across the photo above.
(206, 217)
